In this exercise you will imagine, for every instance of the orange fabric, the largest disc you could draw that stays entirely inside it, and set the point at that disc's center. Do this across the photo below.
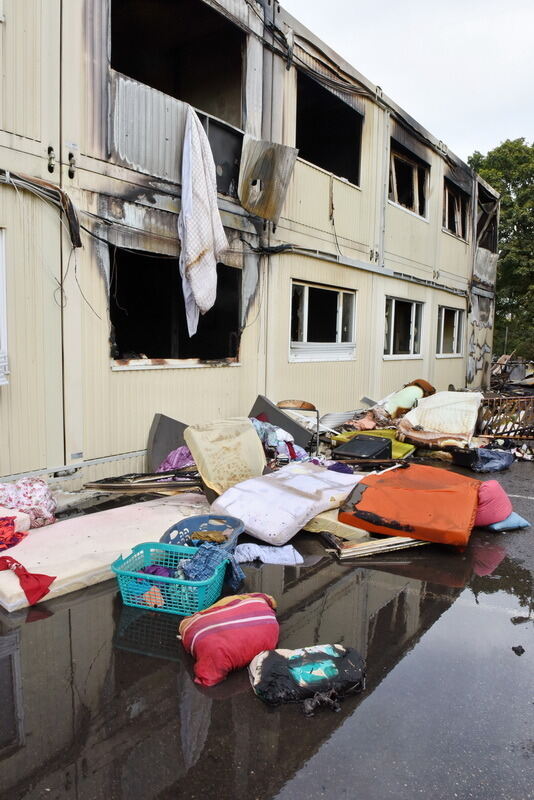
(420, 502)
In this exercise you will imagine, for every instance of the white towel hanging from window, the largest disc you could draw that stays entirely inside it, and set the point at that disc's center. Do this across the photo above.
(200, 229)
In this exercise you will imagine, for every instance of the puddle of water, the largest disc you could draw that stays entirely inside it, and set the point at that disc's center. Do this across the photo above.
(98, 700)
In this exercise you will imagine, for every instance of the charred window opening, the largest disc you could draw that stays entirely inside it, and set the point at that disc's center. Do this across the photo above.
(408, 179)
(147, 311)
(329, 131)
(487, 220)
(455, 210)
(186, 50)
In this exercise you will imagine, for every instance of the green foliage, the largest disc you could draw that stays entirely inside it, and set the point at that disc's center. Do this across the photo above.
(509, 168)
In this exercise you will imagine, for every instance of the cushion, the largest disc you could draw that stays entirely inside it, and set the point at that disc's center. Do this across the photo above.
(275, 507)
(425, 503)
(493, 504)
(511, 523)
(229, 634)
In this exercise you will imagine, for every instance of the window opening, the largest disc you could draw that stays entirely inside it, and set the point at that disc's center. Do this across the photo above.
(455, 210)
(487, 220)
(408, 179)
(147, 311)
(329, 131)
(450, 331)
(403, 320)
(186, 50)
(322, 321)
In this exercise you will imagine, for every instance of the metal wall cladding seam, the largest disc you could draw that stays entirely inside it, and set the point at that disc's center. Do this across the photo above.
(96, 64)
(30, 258)
(21, 74)
(147, 128)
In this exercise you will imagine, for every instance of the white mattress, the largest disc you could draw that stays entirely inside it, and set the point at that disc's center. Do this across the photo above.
(79, 551)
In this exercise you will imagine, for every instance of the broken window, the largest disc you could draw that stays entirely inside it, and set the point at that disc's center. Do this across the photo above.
(322, 322)
(450, 331)
(403, 327)
(4, 366)
(408, 179)
(487, 210)
(455, 210)
(329, 131)
(147, 311)
(186, 50)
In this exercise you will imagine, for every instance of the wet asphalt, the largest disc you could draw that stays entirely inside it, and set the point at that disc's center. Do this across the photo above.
(97, 700)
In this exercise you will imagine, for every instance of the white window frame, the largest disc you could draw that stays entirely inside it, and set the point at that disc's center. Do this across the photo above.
(322, 351)
(415, 165)
(459, 198)
(389, 355)
(458, 332)
(4, 363)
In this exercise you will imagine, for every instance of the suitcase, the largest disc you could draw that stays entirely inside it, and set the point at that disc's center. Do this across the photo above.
(362, 446)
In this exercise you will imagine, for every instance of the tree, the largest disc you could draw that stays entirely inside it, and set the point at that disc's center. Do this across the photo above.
(509, 168)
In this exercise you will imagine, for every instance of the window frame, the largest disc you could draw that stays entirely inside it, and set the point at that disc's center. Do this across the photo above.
(459, 197)
(4, 360)
(322, 351)
(390, 356)
(416, 165)
(457, 335)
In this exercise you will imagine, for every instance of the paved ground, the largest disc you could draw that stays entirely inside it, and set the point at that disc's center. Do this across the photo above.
(98, 702)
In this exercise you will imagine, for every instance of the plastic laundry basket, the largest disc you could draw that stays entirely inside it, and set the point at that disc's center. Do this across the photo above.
(172, 595)
(179, 533)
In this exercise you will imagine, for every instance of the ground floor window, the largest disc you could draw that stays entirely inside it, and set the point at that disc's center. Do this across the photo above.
(322, 322)
(403, 327)
(450, 331)
(148, 313)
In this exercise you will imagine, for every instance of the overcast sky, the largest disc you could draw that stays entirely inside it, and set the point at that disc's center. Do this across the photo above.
(462, 68)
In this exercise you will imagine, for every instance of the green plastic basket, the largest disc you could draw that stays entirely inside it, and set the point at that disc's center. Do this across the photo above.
(171, 595)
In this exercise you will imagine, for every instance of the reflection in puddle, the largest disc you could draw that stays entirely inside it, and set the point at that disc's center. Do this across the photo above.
(98, 700)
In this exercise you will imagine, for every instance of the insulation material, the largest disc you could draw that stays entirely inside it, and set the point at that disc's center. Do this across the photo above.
(275, 507)
(264, 176)
(447, 412)
(79, 551)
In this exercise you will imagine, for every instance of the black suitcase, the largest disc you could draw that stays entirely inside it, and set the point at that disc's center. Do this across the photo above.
(374, 447)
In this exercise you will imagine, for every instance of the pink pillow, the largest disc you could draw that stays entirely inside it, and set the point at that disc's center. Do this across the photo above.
(493, 504)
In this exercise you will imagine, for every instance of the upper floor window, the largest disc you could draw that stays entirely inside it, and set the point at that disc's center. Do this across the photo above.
(455, 210)
(329, 131)
(408, 180)
(185, 49)
(487, 220)
(322, 323)
(402, 335)
(450, 331)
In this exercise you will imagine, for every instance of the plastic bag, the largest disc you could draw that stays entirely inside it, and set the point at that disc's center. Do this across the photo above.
(492, 460)
(324, 673)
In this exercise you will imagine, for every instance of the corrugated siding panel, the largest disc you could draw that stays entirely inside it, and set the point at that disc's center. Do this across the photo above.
(30, 419)
(148, 128)
(20, 37)
(96, 105)
(314, 62)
